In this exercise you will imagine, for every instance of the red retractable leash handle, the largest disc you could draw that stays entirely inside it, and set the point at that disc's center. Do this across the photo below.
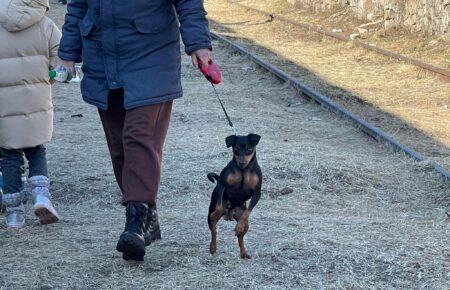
(211, 72)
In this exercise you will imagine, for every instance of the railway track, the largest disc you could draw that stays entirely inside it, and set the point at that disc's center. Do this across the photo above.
(345, 38)
(369, 129)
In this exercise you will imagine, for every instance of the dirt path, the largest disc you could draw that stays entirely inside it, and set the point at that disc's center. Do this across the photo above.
(408, 103)
(359, 215)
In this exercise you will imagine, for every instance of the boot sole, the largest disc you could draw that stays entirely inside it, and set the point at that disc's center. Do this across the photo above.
(132, 247)
(45, 216)
(133, 258)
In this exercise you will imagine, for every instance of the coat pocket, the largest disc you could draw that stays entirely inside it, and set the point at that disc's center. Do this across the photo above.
(153, 25)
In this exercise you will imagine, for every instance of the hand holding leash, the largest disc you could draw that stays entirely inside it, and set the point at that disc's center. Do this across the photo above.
(203, 54)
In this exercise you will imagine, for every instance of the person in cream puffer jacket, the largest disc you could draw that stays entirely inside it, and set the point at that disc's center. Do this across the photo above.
(29, 45)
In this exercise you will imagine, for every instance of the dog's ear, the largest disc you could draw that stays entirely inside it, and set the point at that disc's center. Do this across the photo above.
(230, 141)
(254, 139)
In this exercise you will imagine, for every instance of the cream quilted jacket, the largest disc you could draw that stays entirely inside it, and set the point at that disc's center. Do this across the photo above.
(28, 43)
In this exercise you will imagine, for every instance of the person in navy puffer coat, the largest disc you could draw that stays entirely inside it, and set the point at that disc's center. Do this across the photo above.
(131, 58)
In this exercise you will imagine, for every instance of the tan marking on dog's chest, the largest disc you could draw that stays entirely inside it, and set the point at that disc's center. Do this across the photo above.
(251, 180)
(234, 178)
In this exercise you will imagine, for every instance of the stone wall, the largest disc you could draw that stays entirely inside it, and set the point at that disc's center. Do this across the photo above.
(419, 16)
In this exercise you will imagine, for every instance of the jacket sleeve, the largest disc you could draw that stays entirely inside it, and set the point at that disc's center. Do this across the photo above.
(70, 47)
(54, 38)
(193, 24)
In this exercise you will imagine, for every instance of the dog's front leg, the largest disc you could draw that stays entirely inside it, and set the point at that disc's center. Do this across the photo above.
(239, 216)
(215, 214)
(243, 251)
(242, 226)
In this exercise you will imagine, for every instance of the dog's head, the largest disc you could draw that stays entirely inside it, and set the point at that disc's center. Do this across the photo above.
(244, 148)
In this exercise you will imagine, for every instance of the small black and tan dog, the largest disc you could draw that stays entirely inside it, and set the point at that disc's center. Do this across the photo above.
(238, 182)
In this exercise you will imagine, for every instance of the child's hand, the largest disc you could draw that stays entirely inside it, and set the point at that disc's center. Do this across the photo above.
(69, 66)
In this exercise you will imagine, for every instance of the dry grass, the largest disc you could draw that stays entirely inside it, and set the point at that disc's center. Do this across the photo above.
(431, 49)
(407, 102)
(359, 216)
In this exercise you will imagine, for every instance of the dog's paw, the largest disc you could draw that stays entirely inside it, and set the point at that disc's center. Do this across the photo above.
(212, 248)
(245, 256)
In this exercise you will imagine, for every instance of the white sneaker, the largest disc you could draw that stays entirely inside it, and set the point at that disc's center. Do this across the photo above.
(43, 207)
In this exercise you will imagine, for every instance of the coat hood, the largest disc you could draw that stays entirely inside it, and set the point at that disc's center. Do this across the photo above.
(16, 15)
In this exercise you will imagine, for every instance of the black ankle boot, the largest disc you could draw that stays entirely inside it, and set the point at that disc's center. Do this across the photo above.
(152, 231)
(131, 242)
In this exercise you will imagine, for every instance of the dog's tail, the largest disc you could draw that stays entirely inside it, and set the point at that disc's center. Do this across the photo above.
(213, 177)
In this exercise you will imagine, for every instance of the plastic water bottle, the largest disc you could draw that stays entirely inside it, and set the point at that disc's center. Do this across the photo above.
(2, 206)
(1, 185)
(79, 75)
(60, 74)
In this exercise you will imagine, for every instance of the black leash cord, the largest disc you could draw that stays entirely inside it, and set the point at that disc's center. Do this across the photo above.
(225, 111)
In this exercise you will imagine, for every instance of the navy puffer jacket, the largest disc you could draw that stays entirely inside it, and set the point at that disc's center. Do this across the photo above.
(132, 45)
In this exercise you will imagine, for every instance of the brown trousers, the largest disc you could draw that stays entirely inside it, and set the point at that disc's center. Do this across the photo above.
(135, 140)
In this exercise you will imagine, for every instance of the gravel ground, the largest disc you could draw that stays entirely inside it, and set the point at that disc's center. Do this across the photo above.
(338, 210)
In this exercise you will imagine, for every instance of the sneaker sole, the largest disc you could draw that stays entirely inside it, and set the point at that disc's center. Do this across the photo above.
(45, 216)
(132, 247)
(15, 228)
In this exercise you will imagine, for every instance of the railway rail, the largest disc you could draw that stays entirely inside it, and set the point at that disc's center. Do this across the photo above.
(364, 126)
(342, 37)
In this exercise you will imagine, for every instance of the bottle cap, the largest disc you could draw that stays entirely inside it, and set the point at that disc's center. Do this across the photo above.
(52, 74)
